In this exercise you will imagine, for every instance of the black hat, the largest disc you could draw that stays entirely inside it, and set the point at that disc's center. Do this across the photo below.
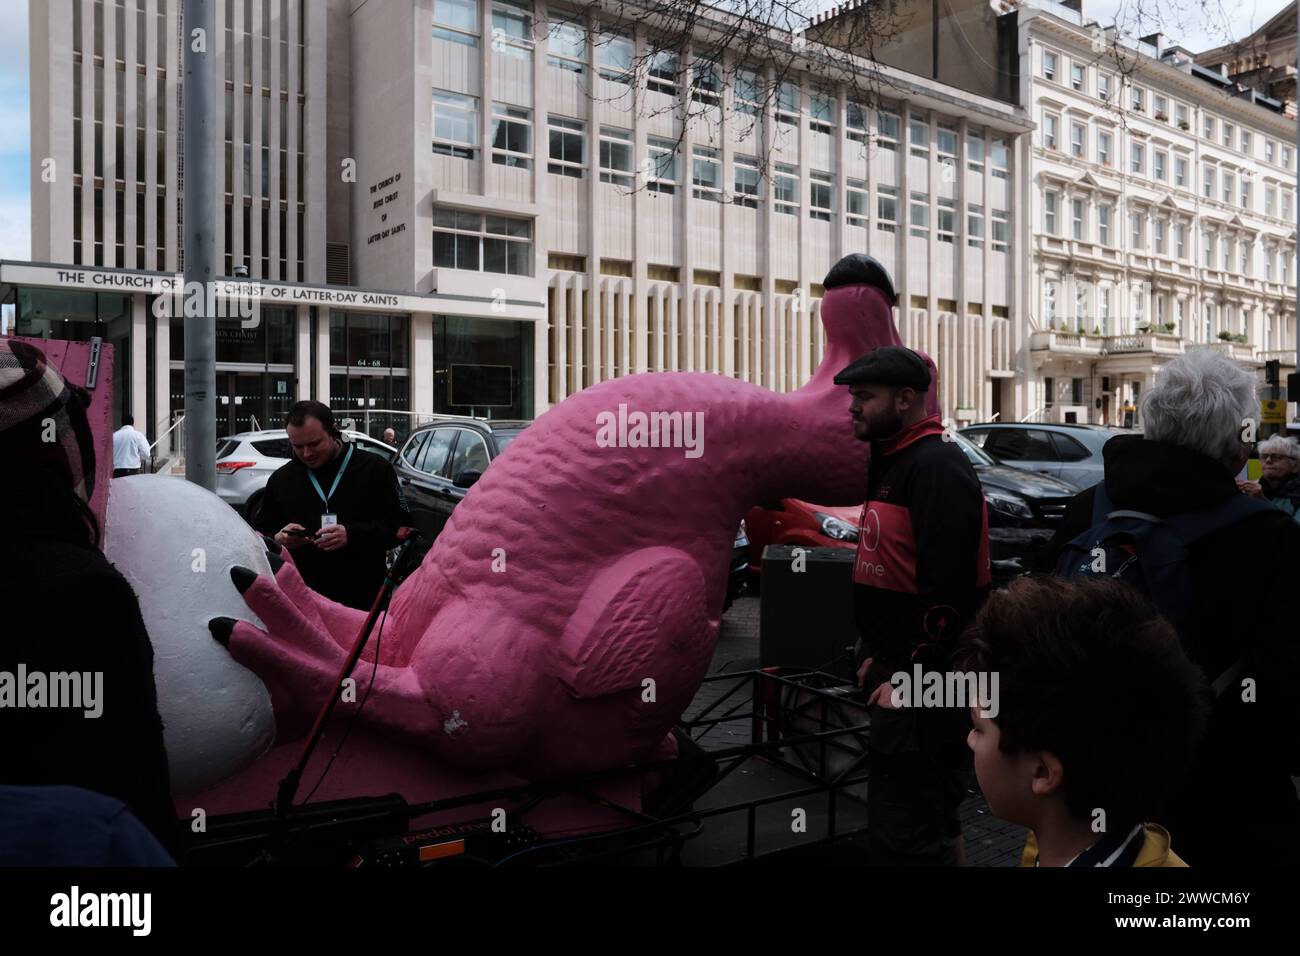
(887, 365)
(861, 269)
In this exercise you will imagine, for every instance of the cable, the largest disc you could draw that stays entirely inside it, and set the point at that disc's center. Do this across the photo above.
(356, 716)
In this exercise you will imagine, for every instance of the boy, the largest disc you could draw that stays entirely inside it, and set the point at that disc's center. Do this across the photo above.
(1098, 715)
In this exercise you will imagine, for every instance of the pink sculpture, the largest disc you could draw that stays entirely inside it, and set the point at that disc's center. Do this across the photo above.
(567, 614)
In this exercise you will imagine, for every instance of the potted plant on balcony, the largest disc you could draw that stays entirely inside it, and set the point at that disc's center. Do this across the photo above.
(1225, 336)
(1184, 125)
(1240, 339)
(1162, 116)
(1144, 327)
(1096, 330)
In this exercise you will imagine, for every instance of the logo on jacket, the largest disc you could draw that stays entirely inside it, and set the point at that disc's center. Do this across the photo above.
(870, 532)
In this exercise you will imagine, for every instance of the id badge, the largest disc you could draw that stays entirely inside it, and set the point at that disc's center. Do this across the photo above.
(328, 519)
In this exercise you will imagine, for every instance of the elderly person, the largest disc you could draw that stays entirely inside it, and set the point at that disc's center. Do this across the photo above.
(1279, 483)
(1237, 805)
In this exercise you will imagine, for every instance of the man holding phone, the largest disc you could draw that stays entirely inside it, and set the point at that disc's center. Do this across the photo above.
(336, 508)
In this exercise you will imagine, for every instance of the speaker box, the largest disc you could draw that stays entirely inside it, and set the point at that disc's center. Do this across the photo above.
(806, 609)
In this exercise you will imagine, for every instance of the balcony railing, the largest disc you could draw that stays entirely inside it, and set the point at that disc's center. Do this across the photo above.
(1234, 350)
(1158, 343)
(1070, 343)
(1285, 356)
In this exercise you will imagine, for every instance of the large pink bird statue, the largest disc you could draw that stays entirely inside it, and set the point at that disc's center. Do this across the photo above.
(567, 613)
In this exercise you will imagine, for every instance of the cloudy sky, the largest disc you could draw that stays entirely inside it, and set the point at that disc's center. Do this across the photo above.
(1196, 24)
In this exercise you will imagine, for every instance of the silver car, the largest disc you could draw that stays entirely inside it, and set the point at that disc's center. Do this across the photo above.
(1071, 453)
(246, 461)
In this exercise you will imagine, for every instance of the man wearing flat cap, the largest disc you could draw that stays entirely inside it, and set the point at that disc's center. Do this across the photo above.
(920, 573)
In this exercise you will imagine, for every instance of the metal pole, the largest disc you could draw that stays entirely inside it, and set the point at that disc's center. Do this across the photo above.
(199, 158)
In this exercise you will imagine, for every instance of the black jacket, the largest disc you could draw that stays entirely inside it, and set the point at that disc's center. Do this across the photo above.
(68, 609)
(367, 503)
(1238, 804)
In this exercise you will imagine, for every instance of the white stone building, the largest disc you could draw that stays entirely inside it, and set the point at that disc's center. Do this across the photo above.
(441, 188)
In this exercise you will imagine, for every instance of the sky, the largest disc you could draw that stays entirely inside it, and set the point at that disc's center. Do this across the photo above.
(1195, 24)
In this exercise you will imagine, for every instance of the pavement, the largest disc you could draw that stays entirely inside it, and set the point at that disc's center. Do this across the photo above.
(989, 841)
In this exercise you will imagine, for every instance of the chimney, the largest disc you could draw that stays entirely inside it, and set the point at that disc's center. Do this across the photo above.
(1075, 5)
(1154, 39)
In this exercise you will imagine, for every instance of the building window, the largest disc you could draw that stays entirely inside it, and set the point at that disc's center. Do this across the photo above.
(919, 136)
(1180, 115)
(821, 196)
(785, 187)
(1049, 304)
(512, 136)
(566, 45)
(1160, 160)
(706, 174)
(1180, 241)
(855, 122)
(946, 224)
(1078, 75)
(1229, 187)
(662, 154)
(1161, 105)
(614, 56)
(455, 124)
(1180, 172)
(1270, 200)
(482, 243)
(1286, 157)
(1208, 182)
(662, 69)
(1078, 142)
(1050, 201)
(747, 92)
(615, 156)
(946, 141)
(1207, 247)
(1137, 158)
(1245, 259)
(1050, 63)
(1078, 225)
(706, 85)
(887, 130)
(1208, 128)
(1229, 135)
(1135, 231)
(1103, 86)
(1270, 150)
(1049, 391)
(886, 208)
(1000, 154)
(454, 20)
(920, 215)
(1103, 224)
(1286, 204)
(1001, 231)
(855, 202)
(746, 181)
(788, 104)
(1245, 191)
(1160, 227)
(1225, 253)
(821, 112)
(1103, 307)
(975, 226)
(1268, 263)
(512, 29)
(1104, 148)
(975, 150)
(1051, 130)
(1138, 99)
(568, 143)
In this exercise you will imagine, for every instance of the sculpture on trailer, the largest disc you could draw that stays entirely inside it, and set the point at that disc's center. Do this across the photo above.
(567, 614)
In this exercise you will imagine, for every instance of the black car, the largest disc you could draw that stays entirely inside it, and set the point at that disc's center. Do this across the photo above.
(442, 459)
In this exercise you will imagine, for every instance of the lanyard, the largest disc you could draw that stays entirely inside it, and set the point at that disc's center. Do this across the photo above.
(316, 484)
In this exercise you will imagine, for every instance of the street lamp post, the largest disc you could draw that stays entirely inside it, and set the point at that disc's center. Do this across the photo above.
(199, 158)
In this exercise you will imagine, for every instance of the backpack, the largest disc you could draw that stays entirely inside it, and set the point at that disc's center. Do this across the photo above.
(1150, 554)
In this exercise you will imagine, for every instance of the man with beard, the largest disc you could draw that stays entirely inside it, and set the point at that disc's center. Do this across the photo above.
(920, 574)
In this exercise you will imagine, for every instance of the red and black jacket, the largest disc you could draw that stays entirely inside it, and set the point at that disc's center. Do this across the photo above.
(922, 564)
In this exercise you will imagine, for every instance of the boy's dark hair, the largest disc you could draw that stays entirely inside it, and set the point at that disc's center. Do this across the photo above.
(1089, 671)
(301, 411)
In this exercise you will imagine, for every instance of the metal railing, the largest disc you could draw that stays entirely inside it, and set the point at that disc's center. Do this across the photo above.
(171, 443)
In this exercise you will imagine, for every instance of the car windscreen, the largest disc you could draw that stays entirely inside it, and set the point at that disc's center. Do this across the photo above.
(505, 438)
(977, 455)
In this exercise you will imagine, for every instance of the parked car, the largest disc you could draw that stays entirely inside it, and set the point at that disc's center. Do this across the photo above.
(245, 462)
(1016, 499)
(1069, 452)
(442, 459)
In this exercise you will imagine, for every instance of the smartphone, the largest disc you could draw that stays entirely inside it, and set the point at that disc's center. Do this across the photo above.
(295, 533)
